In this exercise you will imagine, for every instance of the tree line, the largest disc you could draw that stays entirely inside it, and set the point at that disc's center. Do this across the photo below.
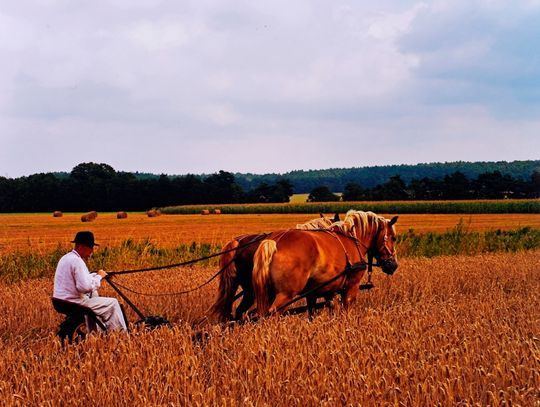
(455, 186)
(91, 186)
(304, 181)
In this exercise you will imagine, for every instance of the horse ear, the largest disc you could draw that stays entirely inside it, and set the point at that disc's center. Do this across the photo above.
(336, 217)
(393, 220)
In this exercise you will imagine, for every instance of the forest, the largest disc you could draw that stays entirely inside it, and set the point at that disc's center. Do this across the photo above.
(92, 186)
(335, 179)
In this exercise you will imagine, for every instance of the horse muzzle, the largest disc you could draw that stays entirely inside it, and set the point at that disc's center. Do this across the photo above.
(389, 265)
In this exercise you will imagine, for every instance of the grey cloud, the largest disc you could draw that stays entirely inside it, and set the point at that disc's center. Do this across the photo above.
(199, 86)
(473, 55)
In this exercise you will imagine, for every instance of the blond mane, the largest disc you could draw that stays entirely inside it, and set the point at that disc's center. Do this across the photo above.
(356, 223)
(318, 223)
(359, 223)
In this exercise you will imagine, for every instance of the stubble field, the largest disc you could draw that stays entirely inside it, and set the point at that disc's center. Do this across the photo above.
(450, 330)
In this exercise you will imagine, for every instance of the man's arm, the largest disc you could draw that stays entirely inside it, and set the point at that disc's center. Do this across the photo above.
(86, 282)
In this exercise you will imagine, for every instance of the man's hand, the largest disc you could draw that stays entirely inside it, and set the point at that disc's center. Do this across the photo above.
(102, 273)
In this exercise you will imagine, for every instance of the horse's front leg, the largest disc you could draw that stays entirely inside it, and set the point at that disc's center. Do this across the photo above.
(350, 292)
(278, 306)
(311, 301)
(329, 300)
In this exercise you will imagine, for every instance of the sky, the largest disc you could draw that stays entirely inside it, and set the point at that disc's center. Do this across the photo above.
(179, 87)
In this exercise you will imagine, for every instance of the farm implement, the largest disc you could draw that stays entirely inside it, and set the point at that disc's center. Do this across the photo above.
(352, 257)
(80, 320)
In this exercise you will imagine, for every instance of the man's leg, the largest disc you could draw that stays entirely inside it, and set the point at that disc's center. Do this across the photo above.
(108, 310)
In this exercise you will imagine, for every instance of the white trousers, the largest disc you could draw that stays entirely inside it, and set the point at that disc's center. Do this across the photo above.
(108, 311)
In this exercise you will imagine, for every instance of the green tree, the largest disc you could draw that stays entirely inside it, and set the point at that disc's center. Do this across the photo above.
(425, 188)
(91, 171)
(354, 192)
(322, 194)
(222, 188)
(493, 185)
(535, 184)
(456, 186)
(393, 189)
(265, 192)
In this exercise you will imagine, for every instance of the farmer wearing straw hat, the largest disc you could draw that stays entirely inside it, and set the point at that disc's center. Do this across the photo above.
(74, 283)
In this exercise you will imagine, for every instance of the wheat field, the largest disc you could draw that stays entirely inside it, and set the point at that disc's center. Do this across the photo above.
(460, 330)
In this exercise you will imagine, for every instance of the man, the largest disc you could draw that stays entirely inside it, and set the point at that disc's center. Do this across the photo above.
(74, 283)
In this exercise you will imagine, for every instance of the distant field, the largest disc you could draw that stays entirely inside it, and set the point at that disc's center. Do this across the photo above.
(298, 198)
(41, 232)
(417, 207)
(302, 198)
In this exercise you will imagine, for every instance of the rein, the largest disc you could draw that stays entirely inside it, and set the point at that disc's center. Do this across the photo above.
(116, 285)
(178, 292)
(185, 263)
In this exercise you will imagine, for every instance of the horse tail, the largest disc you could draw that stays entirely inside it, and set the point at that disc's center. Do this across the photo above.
(261, 274)
(228, 285)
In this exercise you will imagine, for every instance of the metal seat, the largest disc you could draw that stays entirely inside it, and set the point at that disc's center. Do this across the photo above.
(75, 314)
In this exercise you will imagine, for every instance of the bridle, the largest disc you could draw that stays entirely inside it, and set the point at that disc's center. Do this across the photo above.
(376, 253)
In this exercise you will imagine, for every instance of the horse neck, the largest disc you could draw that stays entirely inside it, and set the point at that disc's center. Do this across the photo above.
(367, 233)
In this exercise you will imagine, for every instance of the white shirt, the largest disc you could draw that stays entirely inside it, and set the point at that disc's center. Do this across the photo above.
(72, 280)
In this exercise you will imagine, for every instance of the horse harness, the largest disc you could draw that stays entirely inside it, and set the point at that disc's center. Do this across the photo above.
(362, 264)
(350, 267)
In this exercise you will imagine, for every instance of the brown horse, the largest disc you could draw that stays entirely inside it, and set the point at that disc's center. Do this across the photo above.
(321, 263)
(237, 265)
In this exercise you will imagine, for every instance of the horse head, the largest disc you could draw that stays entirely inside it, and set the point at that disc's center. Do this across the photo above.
(383, 246)
(375, 233)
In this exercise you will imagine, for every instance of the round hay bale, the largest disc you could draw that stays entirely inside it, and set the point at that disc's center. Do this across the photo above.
(89, 217)
(205, 212)
(152, 213)
(57, 214)
(217, 211)
(121, 215)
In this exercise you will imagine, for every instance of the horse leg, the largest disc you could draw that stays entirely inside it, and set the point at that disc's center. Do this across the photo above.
(349, 295)
(281, 299)
(247, 301)
(311, 301)
(222, 308)
(348, 300)
(350, 291)
(329, 301)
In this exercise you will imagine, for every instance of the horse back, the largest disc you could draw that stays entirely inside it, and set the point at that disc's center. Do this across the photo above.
(334, 247)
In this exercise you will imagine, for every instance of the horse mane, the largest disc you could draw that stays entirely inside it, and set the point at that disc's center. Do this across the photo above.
(318, 223)
(356, 223)
(341, 227)
(363, 221)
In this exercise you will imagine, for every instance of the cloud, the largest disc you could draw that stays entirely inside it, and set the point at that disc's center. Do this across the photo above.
(477, 52)
(199, 86)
